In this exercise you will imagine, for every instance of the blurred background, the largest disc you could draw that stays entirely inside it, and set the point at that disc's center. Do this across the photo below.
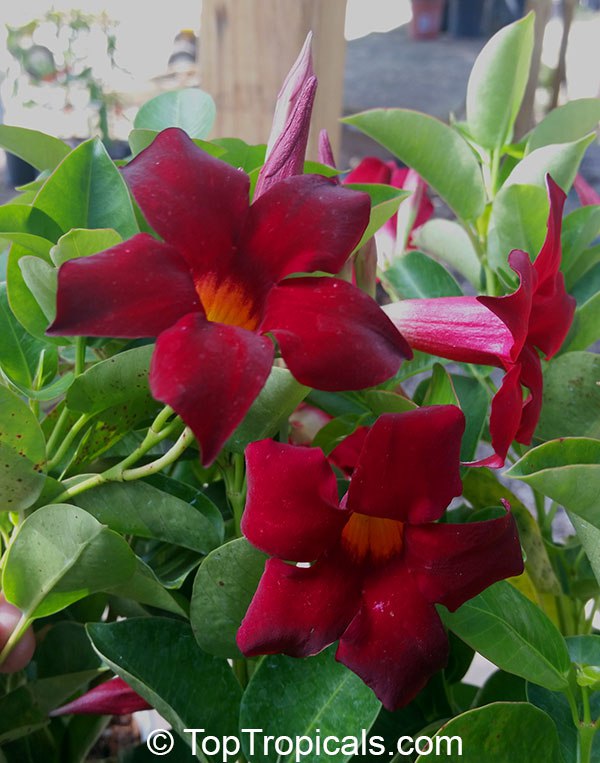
(81, 68)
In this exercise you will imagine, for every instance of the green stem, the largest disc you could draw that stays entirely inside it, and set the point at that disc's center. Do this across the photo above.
(121, 471)
(68, 440)
(14, 638)
(80, 355)
(586, 728)
(495, 171)
(234, 476)
(540, 508)
(57, 431)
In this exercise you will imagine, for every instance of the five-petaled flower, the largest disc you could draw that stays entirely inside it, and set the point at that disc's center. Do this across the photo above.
(502, 331)
(216, 285)
(378, 561)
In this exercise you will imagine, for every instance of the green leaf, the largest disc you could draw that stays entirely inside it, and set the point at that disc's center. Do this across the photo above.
(571, 403)
(22, 453)
(381, 401)
(42, 281)
(65, 649)
(277, 399)
(440, 388)
(42, 151)
(87, 191)
(112, 382)
(585, 330)
(501, 687)
(145, 588)
(579, 229)
(81, 242)
(424, 143)
(71, 550)
(473, 399)
(415, 275)
(518, 221)
(502, 731)
(191, 109)
(590, 540)
(25, 219)
(497, 84)
(314, 693)
(448, 241)
(237, 153)
(223, 589)
(19, 351)
(161, 661)
(566, 123)
(561, 160)
(136, 508)
(566, 470)
(385, 201)
(514, 634)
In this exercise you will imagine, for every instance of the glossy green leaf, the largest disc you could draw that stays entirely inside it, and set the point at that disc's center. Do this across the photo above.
(162, 662)
(589, 535)
(42, 151)
(415, 275)
(439, 389)
(381, 401)
(502, 731)
(561, 160)
(497, 84)
(112, 382)
(585, 330)
(223, 589)
(81, 242)
(277, 399)
(424, 143)
(240, 154)
(385, 200)
(70, 549)
(501, 687)
(474, 401)
(19, 351)
(65, 649)
(514, 634)
(336, 430)
(190, 109)
(136, 508)
(579, 229)
(448, 241)
(144, 587)
(314, 693)
(518, 221)
(23, 218)
(566, 470)
(589, 257)
(42, 281)
(571, 406)
(566, 123)
(87, 191)
(22, 453)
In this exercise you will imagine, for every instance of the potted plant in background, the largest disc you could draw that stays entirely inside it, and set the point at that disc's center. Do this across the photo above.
(51, 80)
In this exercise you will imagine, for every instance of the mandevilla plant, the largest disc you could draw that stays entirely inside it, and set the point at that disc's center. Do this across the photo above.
(239, 489)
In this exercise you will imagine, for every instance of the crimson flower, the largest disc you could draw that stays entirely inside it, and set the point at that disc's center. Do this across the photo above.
(502, 331)
(216, 285)
(396, 233)
(114, 697)
(374, 564)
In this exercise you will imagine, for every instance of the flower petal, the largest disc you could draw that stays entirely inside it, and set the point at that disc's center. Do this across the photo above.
(458, 328)
(505, 418)
(298, 610)
(210, 374)
(408, 468)
(302, 224)
(532, 378)
(397, 641)
(553, 309)
(134, 289)
(371, 170)
(113, 697)
(331, 335)
(345, 455)
(292, 506)
(195, 202)
(453, 563)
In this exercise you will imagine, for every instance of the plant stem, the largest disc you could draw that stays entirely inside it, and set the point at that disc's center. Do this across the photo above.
(57, 431)
(80, 355)
(14, 638)
(68, 440)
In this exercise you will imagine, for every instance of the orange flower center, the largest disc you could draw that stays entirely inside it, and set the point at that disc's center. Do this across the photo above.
(227, 302)
(378, 539)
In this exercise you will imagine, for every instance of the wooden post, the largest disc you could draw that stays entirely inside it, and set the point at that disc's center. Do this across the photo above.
(248, 46)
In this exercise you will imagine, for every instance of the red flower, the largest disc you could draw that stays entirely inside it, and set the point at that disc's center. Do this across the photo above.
(114, 697)
(379, 561)
(213, 288)
(396, 233)
(502, 331)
